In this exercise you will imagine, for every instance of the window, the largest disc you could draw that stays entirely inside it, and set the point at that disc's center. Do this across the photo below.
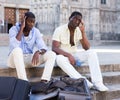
(103, 1)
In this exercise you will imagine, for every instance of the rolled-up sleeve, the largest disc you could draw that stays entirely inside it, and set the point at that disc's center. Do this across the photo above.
(39, 41)
(56, 35)
(12, 38)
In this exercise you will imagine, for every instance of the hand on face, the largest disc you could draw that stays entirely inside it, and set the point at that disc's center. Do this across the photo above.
(30, 22)
(23, 22)
(82, 26)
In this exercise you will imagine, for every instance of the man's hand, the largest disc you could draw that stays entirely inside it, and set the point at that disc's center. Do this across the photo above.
(84, 41)
(35, 59)
(82, 27)
(71, 59)
(23, 23)
(19, 35)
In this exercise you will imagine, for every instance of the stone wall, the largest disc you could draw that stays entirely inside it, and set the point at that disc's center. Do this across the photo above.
(101, 20)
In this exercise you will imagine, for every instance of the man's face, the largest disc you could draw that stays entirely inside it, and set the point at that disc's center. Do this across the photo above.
(75, 21)
(29, 23)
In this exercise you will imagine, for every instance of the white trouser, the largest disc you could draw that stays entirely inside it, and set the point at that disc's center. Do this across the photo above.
(19, 61)
(89, 56)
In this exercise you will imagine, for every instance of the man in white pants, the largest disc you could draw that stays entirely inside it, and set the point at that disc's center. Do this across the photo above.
(66, 39)
(23, 38)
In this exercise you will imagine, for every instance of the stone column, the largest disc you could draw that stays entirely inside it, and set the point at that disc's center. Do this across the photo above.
(1, 17)
(118, 17)
(64, 7)
(94, 21)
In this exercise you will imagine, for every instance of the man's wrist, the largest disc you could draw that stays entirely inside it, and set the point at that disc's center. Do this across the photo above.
(42, 51)
(83, 31)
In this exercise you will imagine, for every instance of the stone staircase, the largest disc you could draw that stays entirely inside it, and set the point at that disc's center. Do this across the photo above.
(110, 72)
(111, 77)
(4, 39)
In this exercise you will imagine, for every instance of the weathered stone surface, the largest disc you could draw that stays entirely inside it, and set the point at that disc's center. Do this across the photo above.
(111, 77)
(113, 93)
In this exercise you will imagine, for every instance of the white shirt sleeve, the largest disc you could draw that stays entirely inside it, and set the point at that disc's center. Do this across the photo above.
(56, 35)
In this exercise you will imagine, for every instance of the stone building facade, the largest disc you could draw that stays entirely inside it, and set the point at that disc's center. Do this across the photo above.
(11, 12)
(101, 17)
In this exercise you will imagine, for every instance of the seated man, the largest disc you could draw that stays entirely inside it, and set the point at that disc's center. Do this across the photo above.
(23, 38)
(66, 39)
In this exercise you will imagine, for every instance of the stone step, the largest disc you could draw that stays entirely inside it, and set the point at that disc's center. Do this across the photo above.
(37, 71)
(116, 99)
(112, 94)
(104, 68)
(109, 77)
(110, 73)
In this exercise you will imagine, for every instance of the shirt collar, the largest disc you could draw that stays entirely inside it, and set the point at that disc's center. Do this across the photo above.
(67, 29)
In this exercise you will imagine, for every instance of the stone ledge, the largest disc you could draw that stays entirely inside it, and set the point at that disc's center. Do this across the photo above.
(113, 93)
(37, 71)
(109, 77)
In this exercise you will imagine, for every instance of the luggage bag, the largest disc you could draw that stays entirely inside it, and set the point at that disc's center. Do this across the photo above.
(12, 88)
(76, 89)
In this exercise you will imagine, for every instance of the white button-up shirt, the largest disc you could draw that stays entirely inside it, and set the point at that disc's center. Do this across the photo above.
(62, 35)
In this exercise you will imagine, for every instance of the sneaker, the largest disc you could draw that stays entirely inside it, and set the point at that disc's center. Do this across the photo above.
(90, 85)
(101, 87)
(39, 87)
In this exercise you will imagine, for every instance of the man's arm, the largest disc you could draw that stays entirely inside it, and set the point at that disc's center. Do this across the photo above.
(57, 50)
(41, 46)
(84, 41)
(20, 32)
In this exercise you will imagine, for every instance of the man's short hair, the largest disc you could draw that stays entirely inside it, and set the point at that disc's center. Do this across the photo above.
(29, 14)
(75, 13)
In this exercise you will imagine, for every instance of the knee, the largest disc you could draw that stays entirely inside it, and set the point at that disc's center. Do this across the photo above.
(17, 51)
(91, 52)
(60, 59)
(51, 54)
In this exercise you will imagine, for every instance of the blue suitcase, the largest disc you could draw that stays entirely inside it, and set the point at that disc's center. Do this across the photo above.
(12, 88)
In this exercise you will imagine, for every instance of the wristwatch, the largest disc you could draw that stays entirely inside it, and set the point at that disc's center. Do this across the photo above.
(41, 52)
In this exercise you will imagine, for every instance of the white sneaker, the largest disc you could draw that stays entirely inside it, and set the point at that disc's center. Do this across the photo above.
(101, 87)
(90, 85)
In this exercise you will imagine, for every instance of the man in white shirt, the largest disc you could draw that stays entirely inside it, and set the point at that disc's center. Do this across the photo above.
(66, 39)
